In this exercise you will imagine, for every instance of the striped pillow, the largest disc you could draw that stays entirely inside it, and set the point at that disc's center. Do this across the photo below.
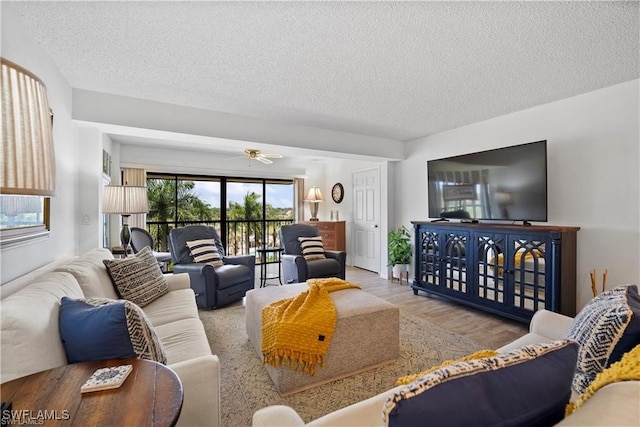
(311, 247)
(206, 251)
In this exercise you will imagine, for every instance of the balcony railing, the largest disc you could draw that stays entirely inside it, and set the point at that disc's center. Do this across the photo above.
(242, 237)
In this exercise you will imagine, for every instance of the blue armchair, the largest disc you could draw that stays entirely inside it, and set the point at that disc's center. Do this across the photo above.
(295, 268)
(214, 286)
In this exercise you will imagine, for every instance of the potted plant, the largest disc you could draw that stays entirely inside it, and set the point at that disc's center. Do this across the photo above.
(399, 248)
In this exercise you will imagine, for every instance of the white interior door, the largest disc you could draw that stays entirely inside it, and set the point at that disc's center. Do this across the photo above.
(366, 193)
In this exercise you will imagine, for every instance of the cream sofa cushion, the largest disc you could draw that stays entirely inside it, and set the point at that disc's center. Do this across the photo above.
(173, 306)
(613, 405)
(200, 378)
(15, 285)
(183, 340)
(30, 335)
(91, 274)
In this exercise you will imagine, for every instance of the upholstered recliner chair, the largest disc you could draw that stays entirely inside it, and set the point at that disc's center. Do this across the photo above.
(296, 268)
(214, 286)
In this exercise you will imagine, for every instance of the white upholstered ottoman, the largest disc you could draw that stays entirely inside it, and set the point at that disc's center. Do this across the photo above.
(366, 335)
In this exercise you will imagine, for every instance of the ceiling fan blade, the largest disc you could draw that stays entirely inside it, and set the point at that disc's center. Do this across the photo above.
(254, 154)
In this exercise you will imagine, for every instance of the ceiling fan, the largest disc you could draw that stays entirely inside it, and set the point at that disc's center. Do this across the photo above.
(260, 156)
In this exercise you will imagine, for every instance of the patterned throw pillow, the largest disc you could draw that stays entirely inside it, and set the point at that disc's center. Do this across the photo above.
(101, 328)
(137, 278)
(480, 354)
(205, 251)
(312, 247)
(626, 369)
(529, 386)
(606, 328)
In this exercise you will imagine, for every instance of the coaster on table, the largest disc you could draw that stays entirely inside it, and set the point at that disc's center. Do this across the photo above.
(107, 378)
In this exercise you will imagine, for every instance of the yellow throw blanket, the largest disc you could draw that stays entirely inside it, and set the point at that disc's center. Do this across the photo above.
(299, 329)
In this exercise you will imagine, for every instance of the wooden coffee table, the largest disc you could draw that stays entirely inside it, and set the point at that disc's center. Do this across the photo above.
(151, 396)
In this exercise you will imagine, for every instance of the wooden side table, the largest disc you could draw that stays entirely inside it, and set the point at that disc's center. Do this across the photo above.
(151, 396)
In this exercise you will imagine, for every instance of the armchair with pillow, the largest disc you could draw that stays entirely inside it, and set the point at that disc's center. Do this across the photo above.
(216, 279)
(305, 258)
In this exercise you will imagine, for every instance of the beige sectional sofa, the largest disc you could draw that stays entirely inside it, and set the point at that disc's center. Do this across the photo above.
(613, 405)
(30, 340)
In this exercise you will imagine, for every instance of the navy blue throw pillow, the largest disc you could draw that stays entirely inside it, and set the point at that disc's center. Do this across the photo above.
(94, 333)
(100, 329)
(526, 387)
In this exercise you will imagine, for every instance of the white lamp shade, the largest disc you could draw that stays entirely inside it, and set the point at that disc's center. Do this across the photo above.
(314, 195)
(124, 200)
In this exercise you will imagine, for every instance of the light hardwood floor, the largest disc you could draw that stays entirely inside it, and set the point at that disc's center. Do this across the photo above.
(487, 329)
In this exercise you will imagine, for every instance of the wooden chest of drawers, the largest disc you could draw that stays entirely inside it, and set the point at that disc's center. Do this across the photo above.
(332, 232)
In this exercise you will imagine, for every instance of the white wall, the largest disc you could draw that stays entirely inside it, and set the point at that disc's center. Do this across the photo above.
(90, 183)
(593, 171)
(19, 47)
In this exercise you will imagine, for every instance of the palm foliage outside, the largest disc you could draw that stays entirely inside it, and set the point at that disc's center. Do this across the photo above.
(173, 202)
(251, 233)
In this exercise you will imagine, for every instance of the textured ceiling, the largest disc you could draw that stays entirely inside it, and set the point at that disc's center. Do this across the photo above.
(397, 70)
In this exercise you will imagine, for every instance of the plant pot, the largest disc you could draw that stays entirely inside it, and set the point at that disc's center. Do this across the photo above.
(398, 270)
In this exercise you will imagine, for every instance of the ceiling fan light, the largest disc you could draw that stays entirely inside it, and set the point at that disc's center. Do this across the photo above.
(254, 154)
(251, 153)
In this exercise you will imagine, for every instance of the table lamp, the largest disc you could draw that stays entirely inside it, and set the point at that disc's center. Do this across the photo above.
(125, 200)
(314, 197)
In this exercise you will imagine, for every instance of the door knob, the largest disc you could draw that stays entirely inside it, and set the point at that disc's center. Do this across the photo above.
(375, 226)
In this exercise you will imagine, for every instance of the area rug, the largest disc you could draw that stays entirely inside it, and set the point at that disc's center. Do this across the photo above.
(246, 386)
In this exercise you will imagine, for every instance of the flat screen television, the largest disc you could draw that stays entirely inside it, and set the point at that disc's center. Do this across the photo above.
(508, 184)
